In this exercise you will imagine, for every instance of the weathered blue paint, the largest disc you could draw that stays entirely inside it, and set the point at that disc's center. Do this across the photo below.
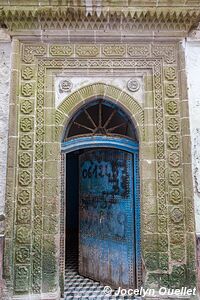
(133, 148)
(106, 219)
(136, 201)
(99, 141)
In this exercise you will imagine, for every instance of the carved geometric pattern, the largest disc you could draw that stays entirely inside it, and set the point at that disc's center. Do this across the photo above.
(176, 215)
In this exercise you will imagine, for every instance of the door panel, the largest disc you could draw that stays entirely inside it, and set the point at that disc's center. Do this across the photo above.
(106, 218)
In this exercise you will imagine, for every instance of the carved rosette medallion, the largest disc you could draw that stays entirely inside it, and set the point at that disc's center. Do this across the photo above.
(133, 85)
(65, 86)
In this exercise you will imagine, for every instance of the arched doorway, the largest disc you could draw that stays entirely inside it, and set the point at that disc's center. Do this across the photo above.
(102, 195)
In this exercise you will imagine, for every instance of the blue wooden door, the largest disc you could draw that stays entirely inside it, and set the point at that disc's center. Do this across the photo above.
(106, 217)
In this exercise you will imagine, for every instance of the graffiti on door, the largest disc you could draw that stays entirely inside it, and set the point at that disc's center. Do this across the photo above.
(107, 217)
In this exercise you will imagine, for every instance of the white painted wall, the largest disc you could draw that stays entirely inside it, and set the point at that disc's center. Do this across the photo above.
(192, 52)
(5, 53)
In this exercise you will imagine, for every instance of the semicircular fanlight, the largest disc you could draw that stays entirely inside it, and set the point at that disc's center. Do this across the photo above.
(100, 118)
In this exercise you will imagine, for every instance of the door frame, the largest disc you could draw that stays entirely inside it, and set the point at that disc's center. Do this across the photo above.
(100, 141)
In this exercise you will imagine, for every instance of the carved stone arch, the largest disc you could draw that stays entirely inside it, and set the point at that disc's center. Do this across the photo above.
(90, 92)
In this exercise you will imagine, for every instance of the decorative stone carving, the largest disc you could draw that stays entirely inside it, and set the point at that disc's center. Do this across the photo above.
(22, 255)
(26, 106)
(26, 124)
(39, 152)
(166, 51)
(139, 50)
(24, 178)
(133, 85)
(25, 160)
(27, 73)
(174, 159)
(174, 178)
(23, 235)
(170, 73)
(158, 223)
(29, 51)
(27, 89)
(175, 196)
(176, 215)
(170, 90)
(114, 50)
(61, 50)
(65, 85)
(23, 215)
(25, 142)
(87, 50)
(173, 124)
(173, 142)
(22, 274)
(24, 197)
(171, 107)
(177, 238)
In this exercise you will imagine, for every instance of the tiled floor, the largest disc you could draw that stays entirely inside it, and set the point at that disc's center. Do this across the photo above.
(79, 287)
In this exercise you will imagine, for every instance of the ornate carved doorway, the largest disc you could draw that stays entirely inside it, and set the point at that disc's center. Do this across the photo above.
(102, 194)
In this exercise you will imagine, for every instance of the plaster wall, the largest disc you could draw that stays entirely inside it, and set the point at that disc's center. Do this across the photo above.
(192, 50)
(5, 52)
